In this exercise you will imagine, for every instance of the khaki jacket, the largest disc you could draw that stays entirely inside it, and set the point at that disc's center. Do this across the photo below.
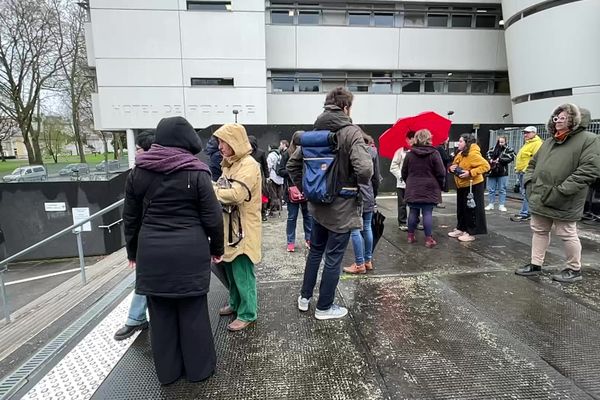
(475, 163)
(241, 167)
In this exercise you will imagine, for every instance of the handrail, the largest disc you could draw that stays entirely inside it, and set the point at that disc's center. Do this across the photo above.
(70, 229)
(110, 225)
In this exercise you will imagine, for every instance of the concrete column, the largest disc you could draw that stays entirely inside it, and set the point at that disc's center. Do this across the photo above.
(130, 148)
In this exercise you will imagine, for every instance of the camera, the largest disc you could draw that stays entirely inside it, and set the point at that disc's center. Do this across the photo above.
(458, 171)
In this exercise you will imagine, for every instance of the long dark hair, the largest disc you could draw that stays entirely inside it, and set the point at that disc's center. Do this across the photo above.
(469, 139)
(295, 142)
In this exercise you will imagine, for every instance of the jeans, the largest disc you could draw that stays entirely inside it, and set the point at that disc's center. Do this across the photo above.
(497, 184)
(137, 310)
(413, 217)
(293, 209)
(333, 245)
(362, 241)
(525, 206)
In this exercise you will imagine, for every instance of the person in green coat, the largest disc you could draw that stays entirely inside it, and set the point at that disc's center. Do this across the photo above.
(556, 183)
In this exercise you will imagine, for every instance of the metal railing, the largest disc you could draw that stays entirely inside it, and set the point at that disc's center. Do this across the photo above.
(75, 229)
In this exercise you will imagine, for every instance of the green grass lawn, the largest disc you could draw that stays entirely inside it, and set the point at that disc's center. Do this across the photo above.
(10, 165)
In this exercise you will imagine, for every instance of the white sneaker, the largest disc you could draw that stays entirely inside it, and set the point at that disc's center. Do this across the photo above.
(489, 207)
(502, 208)
(455, 233)
(334, 311)
(303, 303)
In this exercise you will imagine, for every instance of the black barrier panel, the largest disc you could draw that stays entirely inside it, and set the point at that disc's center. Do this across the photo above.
(32, 211)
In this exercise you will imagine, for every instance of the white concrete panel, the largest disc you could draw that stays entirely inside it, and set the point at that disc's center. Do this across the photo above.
(328, 47)
(245, 73)
(539, 111)
(512, 7)
(207, 106)
(138, 72)
(386, 109)
(281, 46)
(123, 108)
(89, 44)
(136, 4)
(135, 34)
(451, 49)
(228, 35)
(542, 57)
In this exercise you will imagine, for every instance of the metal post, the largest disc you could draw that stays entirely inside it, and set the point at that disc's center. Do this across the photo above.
(4, 299)
(80, 251)
(130, 148)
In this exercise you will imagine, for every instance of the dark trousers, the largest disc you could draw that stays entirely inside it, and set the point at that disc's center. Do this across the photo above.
(333, 245)
(471, 220)
(402, 214)
(182, 340)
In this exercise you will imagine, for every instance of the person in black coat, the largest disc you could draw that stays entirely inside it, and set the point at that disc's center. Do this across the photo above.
(173, 228)
(214, 158)
(261, 158)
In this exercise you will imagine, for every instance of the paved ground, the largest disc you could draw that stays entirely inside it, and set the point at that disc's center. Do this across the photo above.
(452, 322)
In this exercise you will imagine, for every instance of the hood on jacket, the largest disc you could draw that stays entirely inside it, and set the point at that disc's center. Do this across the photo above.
(578, 118)
(235, 136)
(212, 146)
(423, 151)
(177, 132)
(332, 119)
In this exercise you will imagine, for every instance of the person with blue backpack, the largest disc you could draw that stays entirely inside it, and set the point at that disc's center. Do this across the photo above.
(331, 163)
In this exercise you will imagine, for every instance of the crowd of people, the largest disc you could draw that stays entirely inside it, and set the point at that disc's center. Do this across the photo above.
(182, 215)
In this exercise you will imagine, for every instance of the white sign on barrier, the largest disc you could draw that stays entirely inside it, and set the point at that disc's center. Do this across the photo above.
(80, 214)
(55, 207)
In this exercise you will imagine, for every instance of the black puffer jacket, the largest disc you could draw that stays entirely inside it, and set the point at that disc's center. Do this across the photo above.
(500, 157)
(168, 236)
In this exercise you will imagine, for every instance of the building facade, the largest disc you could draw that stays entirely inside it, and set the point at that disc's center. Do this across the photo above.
(271, 62)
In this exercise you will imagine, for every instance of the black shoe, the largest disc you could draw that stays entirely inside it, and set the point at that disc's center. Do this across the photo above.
(519, 218)
(567, 275)
(529, 270)
(128, 330)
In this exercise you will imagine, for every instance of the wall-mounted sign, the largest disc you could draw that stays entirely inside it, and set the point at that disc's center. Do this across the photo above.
(55, 207)
(80, 214)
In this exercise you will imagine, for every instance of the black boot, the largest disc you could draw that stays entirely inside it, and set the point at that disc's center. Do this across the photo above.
(128, 330)
(529, 270)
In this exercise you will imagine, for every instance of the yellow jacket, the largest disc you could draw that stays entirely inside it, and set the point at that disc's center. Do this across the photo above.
(243, 168)
(474, 163)
(527, 152)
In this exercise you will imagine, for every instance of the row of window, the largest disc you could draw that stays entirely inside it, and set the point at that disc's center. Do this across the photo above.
(405, 82)
(542, 95)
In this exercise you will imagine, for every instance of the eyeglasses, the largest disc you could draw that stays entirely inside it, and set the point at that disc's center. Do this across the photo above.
(559, 119)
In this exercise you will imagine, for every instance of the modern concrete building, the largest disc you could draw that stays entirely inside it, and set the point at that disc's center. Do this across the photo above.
(273, 61)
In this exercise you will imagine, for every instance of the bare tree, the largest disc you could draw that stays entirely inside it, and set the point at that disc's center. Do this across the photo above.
(75, 83)
(55, 136)
(7, 129)
(29, 45)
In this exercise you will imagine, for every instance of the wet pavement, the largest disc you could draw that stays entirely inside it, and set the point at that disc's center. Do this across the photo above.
(452, 322)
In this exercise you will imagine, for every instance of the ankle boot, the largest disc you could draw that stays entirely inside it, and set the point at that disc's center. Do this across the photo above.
(430, 242)
(411, 238)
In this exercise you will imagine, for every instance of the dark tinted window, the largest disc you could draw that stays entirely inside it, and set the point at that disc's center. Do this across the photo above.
(282, 17)
(282, 85)
(409, 86)
(209, 5)
(212, 81)
(309, 85)
(501, 87)
(457, 86)
(360, 19)
(480, 87)
(485, 21)
(358, 86)
(308, 18)
(434, 86)
(384, 19)
(437, 20)
(414, 19)
(461, 21)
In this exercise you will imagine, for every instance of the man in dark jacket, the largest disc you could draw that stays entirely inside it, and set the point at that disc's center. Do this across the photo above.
(214, 157)
(173, 229)
(557, 182)
(261, 158)
(333, 222)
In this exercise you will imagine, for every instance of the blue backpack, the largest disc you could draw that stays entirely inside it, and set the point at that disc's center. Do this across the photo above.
(320, 175)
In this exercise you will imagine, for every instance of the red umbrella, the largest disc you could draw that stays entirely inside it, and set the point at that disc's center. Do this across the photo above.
(395, 137)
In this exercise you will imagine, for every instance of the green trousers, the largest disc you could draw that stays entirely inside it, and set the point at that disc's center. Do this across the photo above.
(242, 288)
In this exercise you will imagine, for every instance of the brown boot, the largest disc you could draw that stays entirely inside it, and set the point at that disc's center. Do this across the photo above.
(369, 265)
(238, 325)
(227, 310)
(356, 269)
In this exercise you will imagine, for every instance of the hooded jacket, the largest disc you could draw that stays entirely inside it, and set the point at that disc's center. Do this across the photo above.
(355, 167)
(424, 173)
(241, 167)
(171, 215)
(526, 152)
(559, 175)
(473, 162)
(215, 158)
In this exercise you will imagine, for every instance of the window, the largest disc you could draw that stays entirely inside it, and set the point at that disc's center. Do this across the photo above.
(358, 86)
(282, 85)
(334, 17)
(551, 93)
(209, 5)
(359, 19)
(212, 81)
(485, 21)
(332, 84)
(384, 19)
(381, 86)
(414, 19)
(308, 18)
(501, 86)
(282, 17)
(461, 21)
(411, 86)
(439, 20)
(482, 87)
(309, 85)
(432, 86)
(457, 86)
(521, 99)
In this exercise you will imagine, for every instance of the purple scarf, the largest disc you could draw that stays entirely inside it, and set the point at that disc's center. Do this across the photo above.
(169, 159)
